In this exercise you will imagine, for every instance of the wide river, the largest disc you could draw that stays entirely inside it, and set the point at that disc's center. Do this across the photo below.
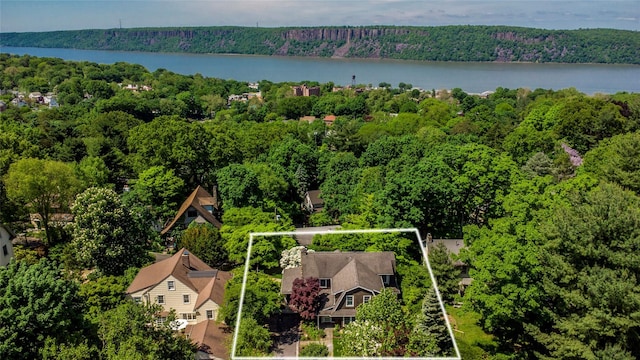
(470, 77)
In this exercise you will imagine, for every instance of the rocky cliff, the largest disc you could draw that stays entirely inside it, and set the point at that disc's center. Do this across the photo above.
(445, 43)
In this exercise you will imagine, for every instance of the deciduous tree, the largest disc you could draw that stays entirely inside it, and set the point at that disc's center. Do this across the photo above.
(305, 297)
(36, 303)
(205, 241)
(43, 185)
(105, 234)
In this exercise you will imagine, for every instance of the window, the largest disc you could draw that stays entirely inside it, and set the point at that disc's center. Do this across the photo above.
(5, 251)
(186, 298)
(366, 298)
(188, 316)
(386, 280)
(137, 299)
(325, 283)
(171, 285)
(349, 301)
(160, 299)
(210, 314)
(325, 319)
(160, 320)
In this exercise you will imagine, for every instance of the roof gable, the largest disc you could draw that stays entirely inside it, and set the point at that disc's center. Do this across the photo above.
(189, 270)
(197, 200)
(347, 270)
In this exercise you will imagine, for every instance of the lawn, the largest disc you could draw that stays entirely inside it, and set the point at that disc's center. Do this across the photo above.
(472, 341)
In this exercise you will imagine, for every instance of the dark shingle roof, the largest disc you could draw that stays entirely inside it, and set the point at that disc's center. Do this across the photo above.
(347, 270)
(198, 199)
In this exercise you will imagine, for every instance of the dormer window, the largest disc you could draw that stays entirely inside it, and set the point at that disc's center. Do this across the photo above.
(386, 280)
(349, 301)
(325, 283)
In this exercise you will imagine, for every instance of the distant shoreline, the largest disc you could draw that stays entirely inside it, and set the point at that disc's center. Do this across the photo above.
(494, 44)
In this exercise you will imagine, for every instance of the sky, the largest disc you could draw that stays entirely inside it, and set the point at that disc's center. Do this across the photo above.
(48, 15)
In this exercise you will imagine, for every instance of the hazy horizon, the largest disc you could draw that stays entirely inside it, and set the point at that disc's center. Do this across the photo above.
(40, 16)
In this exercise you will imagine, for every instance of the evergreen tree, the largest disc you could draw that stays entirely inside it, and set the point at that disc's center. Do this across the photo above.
(430, 335)
(446, 274)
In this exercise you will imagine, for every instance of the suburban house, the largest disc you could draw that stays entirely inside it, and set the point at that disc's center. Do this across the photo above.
(313, 203)
(347, 279)
(329, 119)
(453, 247)
(194, 290)
(200, 207)
(6, 247)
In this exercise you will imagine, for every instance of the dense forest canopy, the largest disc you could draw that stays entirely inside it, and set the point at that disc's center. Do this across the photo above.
(442, 43)
(542, 185)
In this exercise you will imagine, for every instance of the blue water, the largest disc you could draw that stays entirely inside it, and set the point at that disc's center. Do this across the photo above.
(470, 77)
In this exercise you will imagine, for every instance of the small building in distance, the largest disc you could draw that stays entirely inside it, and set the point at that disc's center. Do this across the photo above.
(453, 247)
(200, 207)
(303, 90)
(313, 203)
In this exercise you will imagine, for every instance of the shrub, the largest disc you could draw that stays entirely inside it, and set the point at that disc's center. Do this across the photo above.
(314, 350)
(311, 332)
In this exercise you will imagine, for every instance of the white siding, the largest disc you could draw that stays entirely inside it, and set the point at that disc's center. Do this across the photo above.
(173, 299)
(208, 305)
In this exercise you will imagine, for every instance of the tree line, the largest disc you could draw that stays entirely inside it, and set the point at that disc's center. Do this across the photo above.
(440, 43)
(542, 185)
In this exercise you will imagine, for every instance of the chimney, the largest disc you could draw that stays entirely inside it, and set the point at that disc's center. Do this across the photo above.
(185, 259)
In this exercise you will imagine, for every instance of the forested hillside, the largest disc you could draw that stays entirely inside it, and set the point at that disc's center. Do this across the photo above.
(542, 185)
(444, 43)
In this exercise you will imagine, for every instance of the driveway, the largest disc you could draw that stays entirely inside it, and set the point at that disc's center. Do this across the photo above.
(305, 239)
(287, 336)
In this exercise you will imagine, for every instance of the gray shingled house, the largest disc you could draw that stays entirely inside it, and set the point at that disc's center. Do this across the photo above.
(347, 279)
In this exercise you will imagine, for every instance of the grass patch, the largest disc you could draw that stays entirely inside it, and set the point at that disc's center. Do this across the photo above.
(472, 341)
(337, 345)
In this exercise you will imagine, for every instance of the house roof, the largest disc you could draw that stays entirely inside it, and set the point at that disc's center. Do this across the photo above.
(210, 337)
(314, 197)
(453, 247)
(347, 270)
(189, 270)
(198, 199)
(356, 274)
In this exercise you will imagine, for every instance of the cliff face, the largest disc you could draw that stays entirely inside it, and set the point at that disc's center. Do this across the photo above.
(340, 34)
(445, 43)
